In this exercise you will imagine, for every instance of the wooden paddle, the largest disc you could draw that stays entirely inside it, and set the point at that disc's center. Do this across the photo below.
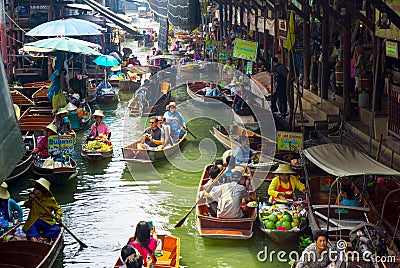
(190, 132)
(179, 224)
(83, 245)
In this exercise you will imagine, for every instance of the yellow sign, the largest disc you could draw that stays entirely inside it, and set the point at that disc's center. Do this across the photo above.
(245, 50)
(64, 142)
(392, 49)
(289, 141)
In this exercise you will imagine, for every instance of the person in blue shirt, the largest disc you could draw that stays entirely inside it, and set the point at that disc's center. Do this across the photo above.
(347, 197)
(175, 120)
(8, 206)
(244, 155)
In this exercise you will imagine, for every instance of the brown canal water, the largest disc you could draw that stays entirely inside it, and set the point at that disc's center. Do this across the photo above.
(107, 199)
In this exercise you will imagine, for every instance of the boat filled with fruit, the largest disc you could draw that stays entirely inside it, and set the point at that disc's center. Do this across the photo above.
(98, 149)
(283, 222)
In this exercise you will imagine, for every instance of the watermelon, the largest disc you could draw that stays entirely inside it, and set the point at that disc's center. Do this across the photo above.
(287, 217)
(287, 224)
(273, 218)
(270, 225)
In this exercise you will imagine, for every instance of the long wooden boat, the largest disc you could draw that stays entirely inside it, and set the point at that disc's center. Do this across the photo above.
(21, 100)
(128, 84)
(191, 88)
(25, 163)
(57, 176)
(212, 227)
(36, 119)
(113, 82)
(26, 253)
(94, 155)
(133, 155)
(107, 96)
(29, 88)
(281, 236)
(229, 137)
(169, 254)
(40, 97)
(145, 109)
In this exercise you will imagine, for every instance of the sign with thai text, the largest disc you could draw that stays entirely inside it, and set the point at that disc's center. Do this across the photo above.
(224, 54)
(64, 142)
(244, 49)
(289, 141)
(392, 49)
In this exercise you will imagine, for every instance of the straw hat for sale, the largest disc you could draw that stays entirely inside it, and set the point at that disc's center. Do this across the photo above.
(98, 113)
(52, 127)
(116, 68)
(284, 169)
(42, 182)
(4, 194)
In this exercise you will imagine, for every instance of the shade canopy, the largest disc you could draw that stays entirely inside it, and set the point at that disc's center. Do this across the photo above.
(66, 27)
(63, 44)
(106, 60)
(342, 160)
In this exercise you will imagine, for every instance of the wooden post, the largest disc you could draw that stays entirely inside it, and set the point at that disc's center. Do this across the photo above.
(346, 66)
(221, 21)
(306, 48)
(325, 57)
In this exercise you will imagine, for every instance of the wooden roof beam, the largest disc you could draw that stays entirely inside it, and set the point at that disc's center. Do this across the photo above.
(382, 7)
(370, 25)
(329, 9)
(297, 11)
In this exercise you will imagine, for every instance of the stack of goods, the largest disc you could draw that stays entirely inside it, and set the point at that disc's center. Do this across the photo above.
(100, 145)
(284, 217)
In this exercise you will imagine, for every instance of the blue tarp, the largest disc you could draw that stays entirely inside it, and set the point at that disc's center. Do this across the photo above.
(55, 77)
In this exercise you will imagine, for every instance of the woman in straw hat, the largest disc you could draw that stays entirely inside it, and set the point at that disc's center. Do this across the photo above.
(8, 206)
(40, 225)
(282, 186)
(99, 127)
(42, 149)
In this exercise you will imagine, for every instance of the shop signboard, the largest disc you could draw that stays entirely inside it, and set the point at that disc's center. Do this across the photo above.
(224, 54)
(244, 49)
(289, 141)
(261, 24)
(211, 44)
(392, 49)
(64, 142)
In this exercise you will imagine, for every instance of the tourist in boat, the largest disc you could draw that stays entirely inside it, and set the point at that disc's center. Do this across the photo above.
(42, 148)
(40, 225)
(8, 206)
(197, 55)
(213, 173)
(145, 241)
(215, 92)
(177, 46)
(99, 127)
(175, 120)
(185, 60)
(347, 196)
(239, 102)
(131, 257)
(316, 255)
(227, 176)
(230, 196)
(282, 186)
(151, 139)
(166, 139)
(243, 154)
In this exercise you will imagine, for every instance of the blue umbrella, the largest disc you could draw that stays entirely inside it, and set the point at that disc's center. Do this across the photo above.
(106, 60)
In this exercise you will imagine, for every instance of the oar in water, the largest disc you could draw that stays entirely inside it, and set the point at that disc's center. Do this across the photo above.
(179, 224)
(190, 132)
(83, 245)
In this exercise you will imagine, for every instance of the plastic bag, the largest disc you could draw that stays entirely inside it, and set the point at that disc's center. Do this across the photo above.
(58, 100)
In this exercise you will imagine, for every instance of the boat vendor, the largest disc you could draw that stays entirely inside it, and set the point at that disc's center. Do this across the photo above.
(230, 196)
(63, 124)
(42, 148)
(8, 206)
(347, 196)
(185, 60)
(151, 139)
(243, 154)
(282, 186)
(40, 225)
(99, 127)
(175, 120)
(103, 85)
(317, 254)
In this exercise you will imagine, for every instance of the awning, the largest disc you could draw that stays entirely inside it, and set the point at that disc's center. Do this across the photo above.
(113, 17)
(342, 160)
(79, 6)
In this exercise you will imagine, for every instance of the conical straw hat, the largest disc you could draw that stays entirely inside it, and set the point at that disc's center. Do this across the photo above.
(52, 127)
(4, 194)
(284, 169)
(70, 107)
(43, 182)
(4, 184)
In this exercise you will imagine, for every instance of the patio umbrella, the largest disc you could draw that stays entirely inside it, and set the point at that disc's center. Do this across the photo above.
(107, 61)
(63, 44)
(66, 27)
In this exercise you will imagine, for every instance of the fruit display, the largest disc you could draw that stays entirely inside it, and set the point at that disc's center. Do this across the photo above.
(283, 217)
(98, 146)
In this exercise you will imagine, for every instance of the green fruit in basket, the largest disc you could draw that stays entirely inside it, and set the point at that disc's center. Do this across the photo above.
(273, 218)
(270, 225)
(287, 224)
(278, 223)
(287, 218)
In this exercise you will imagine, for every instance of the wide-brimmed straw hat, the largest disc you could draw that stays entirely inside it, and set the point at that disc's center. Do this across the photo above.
(70, 107)
(116, 68)
(52, 127)
(172, 103)
(284, 169)
(4, 184)
(42, 182)
(61, 111)
(240, 169)
(98, 113)
(4, 194)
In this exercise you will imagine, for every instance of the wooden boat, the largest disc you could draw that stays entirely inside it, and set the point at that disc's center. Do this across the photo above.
(21, 100)
(128, 84)
(170, 252)
(29, 88)
(57, 176)
(245, 117)
(25, 163)
(338, 161)
(144, 108)
(107, 95)
(30, 75)
(229, 137)
(191, 88)
(133, 155)
(113, 82)
(40, 97)
(36, 119)
(26, 253)
(212, 227)
(93, 155)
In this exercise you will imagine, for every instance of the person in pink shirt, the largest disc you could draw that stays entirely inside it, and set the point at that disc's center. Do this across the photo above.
(99, 127)
(145, 241)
